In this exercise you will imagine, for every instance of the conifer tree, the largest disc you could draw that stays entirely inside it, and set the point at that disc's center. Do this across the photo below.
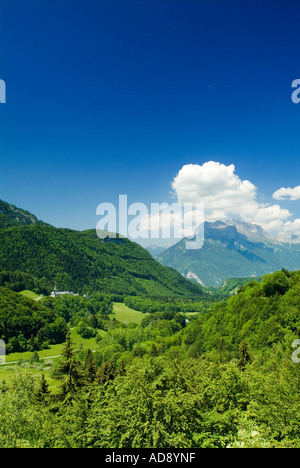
(68, 368)
(122, 368)
(106, 373)
(43, 390)
(35, 357)
(90, 370)
(245, 357)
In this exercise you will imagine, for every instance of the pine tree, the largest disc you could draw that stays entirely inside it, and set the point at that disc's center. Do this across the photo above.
(90, 370)
(32, 343)
(68, 368)
(122, 368)
(43, 390)
(35, 357)
(106, 373)
(245, 357)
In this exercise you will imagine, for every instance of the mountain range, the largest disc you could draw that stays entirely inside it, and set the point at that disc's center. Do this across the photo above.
(234, 249)
(79, 260)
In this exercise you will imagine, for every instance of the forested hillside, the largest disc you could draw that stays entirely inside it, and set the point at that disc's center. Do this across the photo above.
(28, 325)
(10, 215)
(19, 281)
(81, 262)
(227, 379)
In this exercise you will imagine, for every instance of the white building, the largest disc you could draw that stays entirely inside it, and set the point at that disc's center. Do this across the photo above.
(56, 293)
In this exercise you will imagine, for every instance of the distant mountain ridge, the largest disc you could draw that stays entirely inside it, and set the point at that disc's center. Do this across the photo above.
(10, 216)
(232, 250)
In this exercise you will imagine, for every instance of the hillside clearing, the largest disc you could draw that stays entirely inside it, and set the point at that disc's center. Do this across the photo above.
(122, 313)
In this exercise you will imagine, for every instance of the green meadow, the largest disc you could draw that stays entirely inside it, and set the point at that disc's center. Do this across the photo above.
(122, 313)
(30, 295)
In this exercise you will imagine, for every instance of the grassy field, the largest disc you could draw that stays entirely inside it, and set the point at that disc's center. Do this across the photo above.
(55, 350)
(192, 314)
(122, 313)
(30, 295)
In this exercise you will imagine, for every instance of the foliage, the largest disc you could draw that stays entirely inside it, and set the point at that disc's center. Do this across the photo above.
(68, 369)
(26, 324)
(19, 281)
(151, 305)
(224, 380)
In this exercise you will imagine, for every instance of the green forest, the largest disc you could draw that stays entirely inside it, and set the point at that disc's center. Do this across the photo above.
(222, 378)
(81, 262)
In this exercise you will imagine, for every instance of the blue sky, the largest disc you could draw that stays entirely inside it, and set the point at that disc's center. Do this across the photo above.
(115, 97)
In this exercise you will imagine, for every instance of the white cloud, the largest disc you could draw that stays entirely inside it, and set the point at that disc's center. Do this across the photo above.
(287, 193)
(226, 195)
(293, 227)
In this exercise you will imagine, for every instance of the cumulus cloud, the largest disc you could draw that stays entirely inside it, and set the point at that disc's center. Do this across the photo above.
(226, 195)
(293, 227)
(287, 193)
